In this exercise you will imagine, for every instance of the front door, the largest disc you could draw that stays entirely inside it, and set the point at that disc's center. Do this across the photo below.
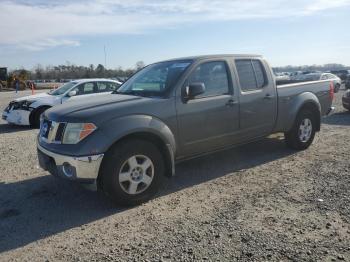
(207, 121)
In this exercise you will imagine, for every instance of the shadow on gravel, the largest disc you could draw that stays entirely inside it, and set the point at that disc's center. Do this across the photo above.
(7, 128)
(213, 166)
(340, 119)
(37, 208)
(33, 209)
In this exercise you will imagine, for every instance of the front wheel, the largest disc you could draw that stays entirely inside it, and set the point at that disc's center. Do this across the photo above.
(302, 134)
(35, 122)
(132, 172)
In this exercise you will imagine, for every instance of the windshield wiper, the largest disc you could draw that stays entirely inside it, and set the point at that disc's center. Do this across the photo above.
(130, 92)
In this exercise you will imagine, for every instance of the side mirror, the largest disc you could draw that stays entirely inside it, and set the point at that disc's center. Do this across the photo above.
(72, 93)
(194, 89)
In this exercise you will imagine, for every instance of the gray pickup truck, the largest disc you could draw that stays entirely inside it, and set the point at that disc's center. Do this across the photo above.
(128, 141)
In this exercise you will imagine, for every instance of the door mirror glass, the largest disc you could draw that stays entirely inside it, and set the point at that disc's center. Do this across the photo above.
(72, 93)
(194, 89)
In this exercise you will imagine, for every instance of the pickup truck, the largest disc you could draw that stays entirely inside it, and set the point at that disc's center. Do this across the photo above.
(127, 142)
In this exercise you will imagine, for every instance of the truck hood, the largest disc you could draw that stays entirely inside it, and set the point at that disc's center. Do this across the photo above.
(95, 109)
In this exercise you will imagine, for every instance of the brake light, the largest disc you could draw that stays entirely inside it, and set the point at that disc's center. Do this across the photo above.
(331, 90)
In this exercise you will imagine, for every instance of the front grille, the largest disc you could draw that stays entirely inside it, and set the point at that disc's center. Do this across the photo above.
(51, 131)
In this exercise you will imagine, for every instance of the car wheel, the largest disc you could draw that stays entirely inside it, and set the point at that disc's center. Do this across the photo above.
(132, 172)
(337, 87)
(302, 134)
(35, 121)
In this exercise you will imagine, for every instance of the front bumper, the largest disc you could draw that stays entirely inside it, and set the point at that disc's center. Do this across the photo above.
(17, 117)
(83, 169)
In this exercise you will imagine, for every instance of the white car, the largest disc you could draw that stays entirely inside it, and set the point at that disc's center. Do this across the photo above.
(322, 76)
(27, 110)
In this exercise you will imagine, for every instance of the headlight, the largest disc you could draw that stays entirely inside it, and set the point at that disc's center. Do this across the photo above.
(24, 105)
(75, 132)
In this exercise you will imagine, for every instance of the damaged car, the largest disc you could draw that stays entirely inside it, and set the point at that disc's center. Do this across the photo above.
(27, 110)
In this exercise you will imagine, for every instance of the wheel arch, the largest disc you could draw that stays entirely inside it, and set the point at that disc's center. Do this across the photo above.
(35, 110)
(305, 101)
(145, 128)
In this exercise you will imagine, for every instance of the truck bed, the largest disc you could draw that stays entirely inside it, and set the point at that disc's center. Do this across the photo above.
(289, 96)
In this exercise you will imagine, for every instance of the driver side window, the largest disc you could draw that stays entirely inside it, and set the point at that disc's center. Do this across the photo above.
(214, 76)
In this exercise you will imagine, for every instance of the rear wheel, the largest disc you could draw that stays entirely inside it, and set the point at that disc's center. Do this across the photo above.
(132, 172)
(303, 132)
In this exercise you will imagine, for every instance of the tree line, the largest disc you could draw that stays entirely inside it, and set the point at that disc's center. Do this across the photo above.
(322, 68)
(71, 71)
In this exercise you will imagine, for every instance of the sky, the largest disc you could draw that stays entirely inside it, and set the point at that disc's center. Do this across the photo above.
(299, 32)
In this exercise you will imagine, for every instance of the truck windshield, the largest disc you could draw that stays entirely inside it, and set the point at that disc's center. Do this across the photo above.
(61, 90)
(155, 79)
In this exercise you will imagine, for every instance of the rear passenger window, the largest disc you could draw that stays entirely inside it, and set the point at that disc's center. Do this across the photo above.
(106, 87)
(214, 76)
(251, 73)
(260, 74)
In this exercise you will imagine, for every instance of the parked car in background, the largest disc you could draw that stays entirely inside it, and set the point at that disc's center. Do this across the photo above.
(342, 74)
(128, 142)
(346, 100)
(322, 76)
(298, 75)
(347, 82)
(27, 110)
(282, 76)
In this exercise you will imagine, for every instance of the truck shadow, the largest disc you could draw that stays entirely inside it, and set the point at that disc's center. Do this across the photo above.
(8, 128)
(222, 163)
(37, 208)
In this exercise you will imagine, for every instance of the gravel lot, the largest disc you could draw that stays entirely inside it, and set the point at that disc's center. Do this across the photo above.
(256, 202)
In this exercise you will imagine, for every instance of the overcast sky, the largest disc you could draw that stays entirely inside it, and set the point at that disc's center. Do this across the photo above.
(284, 31)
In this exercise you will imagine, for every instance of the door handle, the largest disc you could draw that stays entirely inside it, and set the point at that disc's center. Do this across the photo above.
(268, 96)
(231, 102)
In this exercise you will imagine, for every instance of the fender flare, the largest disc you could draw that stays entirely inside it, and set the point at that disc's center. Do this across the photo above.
(147, 126)
(306, 99)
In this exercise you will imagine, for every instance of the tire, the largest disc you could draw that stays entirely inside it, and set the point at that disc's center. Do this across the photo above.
(295, 138)
(35, 122)
(337, 88)
(120, 172)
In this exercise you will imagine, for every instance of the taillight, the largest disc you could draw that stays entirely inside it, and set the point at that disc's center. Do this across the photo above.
(331, 90)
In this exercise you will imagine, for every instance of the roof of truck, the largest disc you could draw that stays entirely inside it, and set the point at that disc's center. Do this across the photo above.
(200, 57)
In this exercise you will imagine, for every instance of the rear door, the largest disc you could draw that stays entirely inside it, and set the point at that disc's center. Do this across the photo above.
(106, 87)
(208, 121)
(258, 98)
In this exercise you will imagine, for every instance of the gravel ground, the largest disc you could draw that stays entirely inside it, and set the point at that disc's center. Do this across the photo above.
(256, 202)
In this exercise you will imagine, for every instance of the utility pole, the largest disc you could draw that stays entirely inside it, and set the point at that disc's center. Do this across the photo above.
(104, 49)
